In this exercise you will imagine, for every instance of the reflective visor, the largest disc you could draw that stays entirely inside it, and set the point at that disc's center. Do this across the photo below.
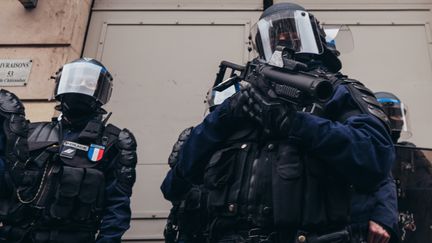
(397, 113)
(78, 77)
(296, 30)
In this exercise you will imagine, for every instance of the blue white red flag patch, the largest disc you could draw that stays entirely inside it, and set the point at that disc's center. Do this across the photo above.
(95, 152)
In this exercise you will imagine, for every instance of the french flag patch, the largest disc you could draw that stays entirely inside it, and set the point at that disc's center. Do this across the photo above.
(95, 152)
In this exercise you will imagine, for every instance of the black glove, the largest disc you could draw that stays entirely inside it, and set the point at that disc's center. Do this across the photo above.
(15, 129)
(274, 115)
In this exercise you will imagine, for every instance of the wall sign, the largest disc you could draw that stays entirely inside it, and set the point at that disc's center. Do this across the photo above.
(14, 72)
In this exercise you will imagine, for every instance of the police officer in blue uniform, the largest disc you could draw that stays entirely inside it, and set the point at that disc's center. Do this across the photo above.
(187, 221)
(188, 218)
(78, 181)
(289, 176)
(412, 172)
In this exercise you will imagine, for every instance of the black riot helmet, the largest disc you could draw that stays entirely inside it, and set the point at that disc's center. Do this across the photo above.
(290, 26)
(397, 113)
(82, 87)
(85, 77)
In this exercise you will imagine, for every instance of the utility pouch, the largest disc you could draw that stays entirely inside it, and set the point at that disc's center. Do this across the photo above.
(287, 185)
(192, 217)
(67, 192)
(314, 207)
(41, 236)
(89, 194)
(15, 212)
(71, 237)
(219, 174)
(193, 199)
(31, 178)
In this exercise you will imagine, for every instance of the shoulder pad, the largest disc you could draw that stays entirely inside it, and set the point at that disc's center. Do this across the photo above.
(184, 135)
(43, 132)
(126, 140)
(10, 103)
(366, 100)
(128, 159)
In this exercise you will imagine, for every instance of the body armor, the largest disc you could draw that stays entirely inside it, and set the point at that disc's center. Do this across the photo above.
(275, 189)
(64, 182)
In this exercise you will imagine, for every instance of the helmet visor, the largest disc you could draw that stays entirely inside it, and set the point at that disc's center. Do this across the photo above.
(397, 113)
(339, 37)
(295, 30)
(81, 78)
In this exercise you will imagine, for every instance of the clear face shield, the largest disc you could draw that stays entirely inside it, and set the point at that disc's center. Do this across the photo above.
(339, 37)
(215, 98)
(85, 78)
(398, 115)
(294, 30)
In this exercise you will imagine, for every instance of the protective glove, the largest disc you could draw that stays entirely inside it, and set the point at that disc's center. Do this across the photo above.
(275, 116)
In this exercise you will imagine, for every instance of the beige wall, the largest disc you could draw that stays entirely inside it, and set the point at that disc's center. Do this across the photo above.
(49, 35)
(164, 59)
(253, 5)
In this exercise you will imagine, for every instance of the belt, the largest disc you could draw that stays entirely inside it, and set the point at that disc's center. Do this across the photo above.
(261, 236)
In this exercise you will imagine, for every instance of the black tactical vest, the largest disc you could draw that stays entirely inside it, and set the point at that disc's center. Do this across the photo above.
(274, 185)
(64, 185)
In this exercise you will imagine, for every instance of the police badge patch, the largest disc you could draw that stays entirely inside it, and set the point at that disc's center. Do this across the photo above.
(95, 152)
(69, 149)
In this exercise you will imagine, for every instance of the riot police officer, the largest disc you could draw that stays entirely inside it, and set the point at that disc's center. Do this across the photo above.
(284, 174)
(188, 218)
(187, 221)
(78, 180)
(13, 150)
(412, 172)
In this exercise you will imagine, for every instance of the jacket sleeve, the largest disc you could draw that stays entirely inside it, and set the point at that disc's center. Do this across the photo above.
(385, 211)
(204, 139)
(120, 180)
(359, 147)
(117, 212)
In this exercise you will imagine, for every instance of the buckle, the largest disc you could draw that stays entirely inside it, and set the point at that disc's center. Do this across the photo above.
(255, 232)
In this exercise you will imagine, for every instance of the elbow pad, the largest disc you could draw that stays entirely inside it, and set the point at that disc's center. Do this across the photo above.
(127, 161)
(173, 157)
(366, 101)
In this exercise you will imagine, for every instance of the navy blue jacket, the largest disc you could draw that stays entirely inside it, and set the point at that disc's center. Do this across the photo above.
(360, 148)
(380, 207)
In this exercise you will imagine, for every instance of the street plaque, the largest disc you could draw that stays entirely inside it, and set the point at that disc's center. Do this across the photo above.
(14, 72)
